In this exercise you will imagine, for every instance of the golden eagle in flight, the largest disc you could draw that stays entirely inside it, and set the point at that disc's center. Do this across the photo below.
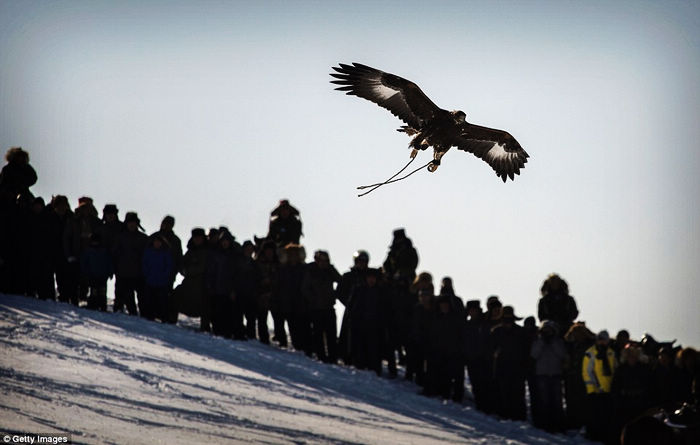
(429, 124)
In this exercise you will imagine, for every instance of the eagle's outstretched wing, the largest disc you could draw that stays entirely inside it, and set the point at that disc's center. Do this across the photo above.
(497, 147)
(400, 96)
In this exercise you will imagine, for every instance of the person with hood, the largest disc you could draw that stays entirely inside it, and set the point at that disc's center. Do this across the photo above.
(549, 354)
(556, 304)
(510, 357)
(285, 225)
(128, 258)
(318, 289)
(598, 368)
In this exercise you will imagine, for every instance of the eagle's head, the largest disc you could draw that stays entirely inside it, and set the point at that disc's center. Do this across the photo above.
(459, 116)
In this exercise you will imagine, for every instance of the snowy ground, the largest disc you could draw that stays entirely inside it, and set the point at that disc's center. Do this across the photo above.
(114, 379)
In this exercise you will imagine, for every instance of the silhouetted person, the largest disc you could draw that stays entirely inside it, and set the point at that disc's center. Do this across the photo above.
(366, 322)
(66, 277)
(222, 271)
(350, 280)
(248, 287)
(285, 225)
(418, 347)
(477, 354)
(16, 176)
(556, 304)
(112, 227)
(578, 339)
(190, 294)
(510, 354)
(96, 265)
(158, 266)
(291, 276)
(174, 246)
(549, 354)
(268, 286)
(40, 255)
(128, 257)
(402, 259)
(446, 352)
(319, 294)
(76, 240)
(631, 386)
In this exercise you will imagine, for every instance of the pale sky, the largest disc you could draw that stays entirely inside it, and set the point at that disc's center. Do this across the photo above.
(213, 111)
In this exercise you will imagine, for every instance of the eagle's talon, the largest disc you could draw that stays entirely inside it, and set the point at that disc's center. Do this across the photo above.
(433, 166)
(414, 153)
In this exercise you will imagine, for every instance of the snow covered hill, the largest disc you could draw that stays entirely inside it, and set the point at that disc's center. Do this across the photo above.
(115, 379)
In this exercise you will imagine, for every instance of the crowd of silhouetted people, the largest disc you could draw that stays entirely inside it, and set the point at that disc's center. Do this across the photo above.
(394, 317)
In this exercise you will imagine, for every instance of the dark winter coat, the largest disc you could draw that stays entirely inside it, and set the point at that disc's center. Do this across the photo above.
(348, 282)
(268, 284)
(402, 260)
(16, 178)
(284, 231)
(510, 351)
(189, 295)
(447, 336)
(222, 271)
(96, 265)
(128, 254)
(289, 287)
(559, 308)
(79, 229)
(158, 266)
(317, 287)
(110, 233)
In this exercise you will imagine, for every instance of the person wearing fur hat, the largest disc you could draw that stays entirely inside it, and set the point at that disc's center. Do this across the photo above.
(510, 357)
(549, 354)
(128, 256)
(285, 225)
(598, 368)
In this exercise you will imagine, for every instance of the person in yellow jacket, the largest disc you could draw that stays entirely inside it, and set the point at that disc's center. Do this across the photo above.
(598, 368)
